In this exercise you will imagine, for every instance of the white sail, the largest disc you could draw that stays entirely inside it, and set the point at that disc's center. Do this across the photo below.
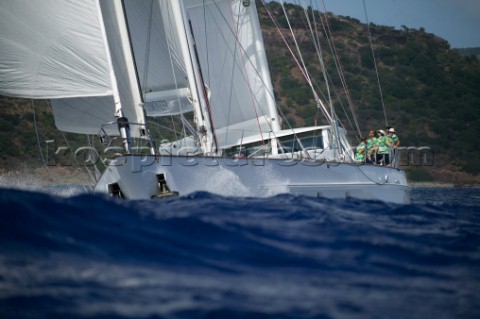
(76, 53)
(231, 55)
(158, 57)
(52, 49)
(86, 115)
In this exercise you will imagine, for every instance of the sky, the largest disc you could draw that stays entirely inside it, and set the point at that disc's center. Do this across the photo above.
(457, 21)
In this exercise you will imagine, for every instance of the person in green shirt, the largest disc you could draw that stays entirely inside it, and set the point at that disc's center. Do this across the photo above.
(371, 143)
(383, 145)
(393, 137)
(361, 150)
(388, 137)
(394, 143)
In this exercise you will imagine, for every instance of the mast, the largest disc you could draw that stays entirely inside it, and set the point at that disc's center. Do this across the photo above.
(126, 91)
(203, 85)
(204, 125)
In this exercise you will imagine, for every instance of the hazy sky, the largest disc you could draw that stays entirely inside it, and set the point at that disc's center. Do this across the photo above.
(457, 21)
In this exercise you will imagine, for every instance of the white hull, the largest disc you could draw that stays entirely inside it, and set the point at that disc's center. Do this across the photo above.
(141, 177)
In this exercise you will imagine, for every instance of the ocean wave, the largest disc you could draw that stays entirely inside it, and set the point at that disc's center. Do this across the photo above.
(210, 256)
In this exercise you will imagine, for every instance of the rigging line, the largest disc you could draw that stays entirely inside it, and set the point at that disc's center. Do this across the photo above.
(281, 113)
(318, 47)
(270, 93)
(38, 137)
(304, 68)
(73, 156)
(309, 80)
(209, 106)
(233, 30)
(252, 65)
(252, 99)
(317, 44)
(242, 50)
(206, 39)
(327, 115)
(230, 93)
(341, 104)
(174, 127)
(172, 65)
(375, 63)
(225, 56)
(147, 52)
(95, 169)
(336, 59)
(203, 88)
(299, 52)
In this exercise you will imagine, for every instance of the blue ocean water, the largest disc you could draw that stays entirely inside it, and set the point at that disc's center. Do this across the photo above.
(207, 256)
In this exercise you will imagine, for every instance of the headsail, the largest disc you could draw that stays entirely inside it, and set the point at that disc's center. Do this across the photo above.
(73, 52)
(52, 49)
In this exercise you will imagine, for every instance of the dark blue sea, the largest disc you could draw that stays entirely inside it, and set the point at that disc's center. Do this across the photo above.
(207, 256)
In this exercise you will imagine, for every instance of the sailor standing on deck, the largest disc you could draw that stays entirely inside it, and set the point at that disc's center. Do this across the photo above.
(395, 142)
(383, 144)
(393, 137)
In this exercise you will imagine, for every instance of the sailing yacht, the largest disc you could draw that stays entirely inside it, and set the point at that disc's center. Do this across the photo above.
(111, 68)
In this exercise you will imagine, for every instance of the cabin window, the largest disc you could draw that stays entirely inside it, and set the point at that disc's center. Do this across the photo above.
(251, 149)
(288, 144)
(309, 140)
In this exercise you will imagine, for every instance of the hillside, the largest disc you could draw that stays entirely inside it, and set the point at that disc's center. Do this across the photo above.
(431, 94)
(469, 52)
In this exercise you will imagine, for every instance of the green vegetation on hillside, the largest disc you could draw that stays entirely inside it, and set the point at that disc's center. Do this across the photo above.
(468, 52)
(431, 92)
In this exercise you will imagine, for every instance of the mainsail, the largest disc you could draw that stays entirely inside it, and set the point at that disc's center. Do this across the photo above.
(235, 68)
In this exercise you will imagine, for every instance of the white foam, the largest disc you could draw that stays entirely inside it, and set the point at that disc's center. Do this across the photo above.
(227, 183)
(276, 183)
(22, 180)
(264, 182)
